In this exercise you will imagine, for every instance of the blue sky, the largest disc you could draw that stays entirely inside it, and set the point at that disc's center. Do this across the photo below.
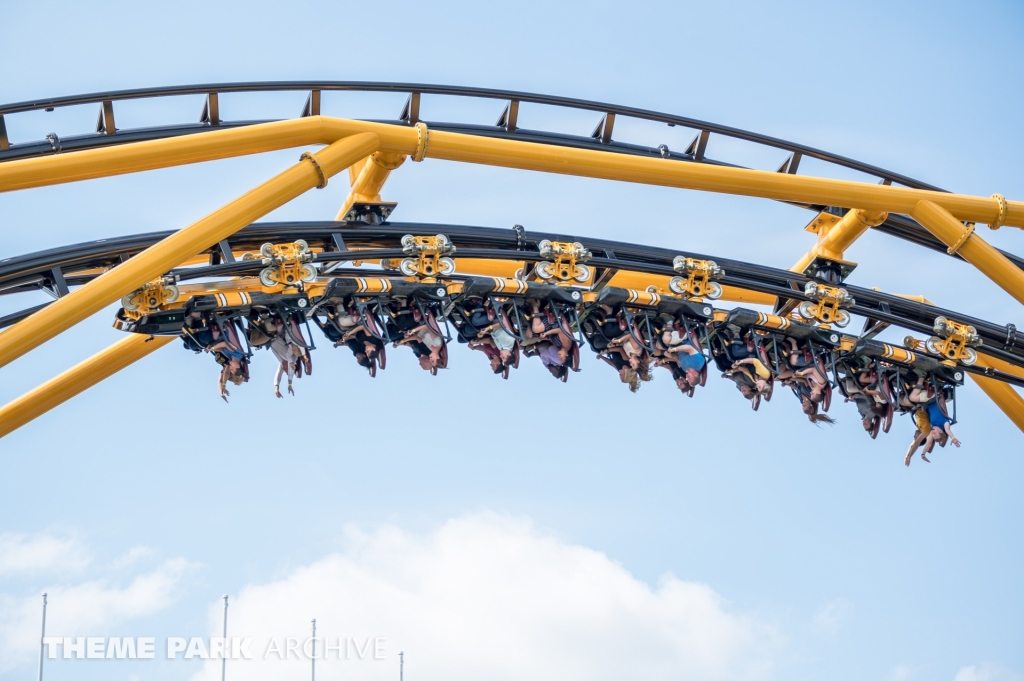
(737, 544)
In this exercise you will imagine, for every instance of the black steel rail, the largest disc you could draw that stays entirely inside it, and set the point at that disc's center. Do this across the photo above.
(899, 226)
(457, 91)
(33, 271)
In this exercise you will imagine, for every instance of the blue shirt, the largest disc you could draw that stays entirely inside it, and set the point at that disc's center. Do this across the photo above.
(686, 361)
(936, 417)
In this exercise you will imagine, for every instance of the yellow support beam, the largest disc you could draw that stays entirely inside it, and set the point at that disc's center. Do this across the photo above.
(369, 178)
(1003, 394)
(999, 365)
(1005, 397)
(975, 250)
(421, 143)
(77, 379)
(734, 294)
(833, 240)
(63, 313)
(452, 146)
(186, 149)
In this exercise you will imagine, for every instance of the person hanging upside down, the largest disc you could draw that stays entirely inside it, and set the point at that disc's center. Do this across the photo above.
(870, 410)
(230, 356)
(427, 345)
(921, 433)
(546, 326)
(751, 377)
(486, 345)
(492, 334)
(548, 340)
(288, 347)
(808, 403)
(689, 359)
(365, 346)
(933, 425)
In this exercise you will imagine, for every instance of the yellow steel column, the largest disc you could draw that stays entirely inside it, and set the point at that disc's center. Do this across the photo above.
(371, 176)
(313, 170)
(452, 146)
(207, 146)
(833, 241)
(1005, 397)
(77, 379)
(973, 248)
(1003, 394)
(986, 360)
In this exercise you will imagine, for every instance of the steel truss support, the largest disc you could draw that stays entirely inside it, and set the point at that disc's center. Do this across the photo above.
(312, 171)
(368, 179)
(77, 379)
(961, 239)
(834, 240)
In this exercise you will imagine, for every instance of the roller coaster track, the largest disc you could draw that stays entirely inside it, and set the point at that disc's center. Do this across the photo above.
(59, 271)
(899, 226)
(35, 271)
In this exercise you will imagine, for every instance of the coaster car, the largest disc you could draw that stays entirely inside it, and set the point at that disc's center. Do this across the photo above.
(508, 296)
(485, 326)
(168, 320)
(907, 370)
(742, 318)
(518, 307)
(767, 341)
(916, 363)
(383, 311)
(371, 295)
(645, 312)
(643, 317)
(882, 378)
(866, 382)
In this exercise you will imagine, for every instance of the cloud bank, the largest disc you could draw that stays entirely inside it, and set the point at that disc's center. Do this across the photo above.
(21, 553)
(987, 672)
(85, 608)
(487, 596)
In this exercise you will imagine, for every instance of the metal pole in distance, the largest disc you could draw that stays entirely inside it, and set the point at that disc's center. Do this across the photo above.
(401, 666)
(42, 637)
(313, 672)
(224, 658)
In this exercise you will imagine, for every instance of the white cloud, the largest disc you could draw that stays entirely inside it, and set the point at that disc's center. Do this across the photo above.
(831, 616)
(83, 609)
(987, 672)
(902, 672)
(489, 596)
(132, 556)
(21, 553)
